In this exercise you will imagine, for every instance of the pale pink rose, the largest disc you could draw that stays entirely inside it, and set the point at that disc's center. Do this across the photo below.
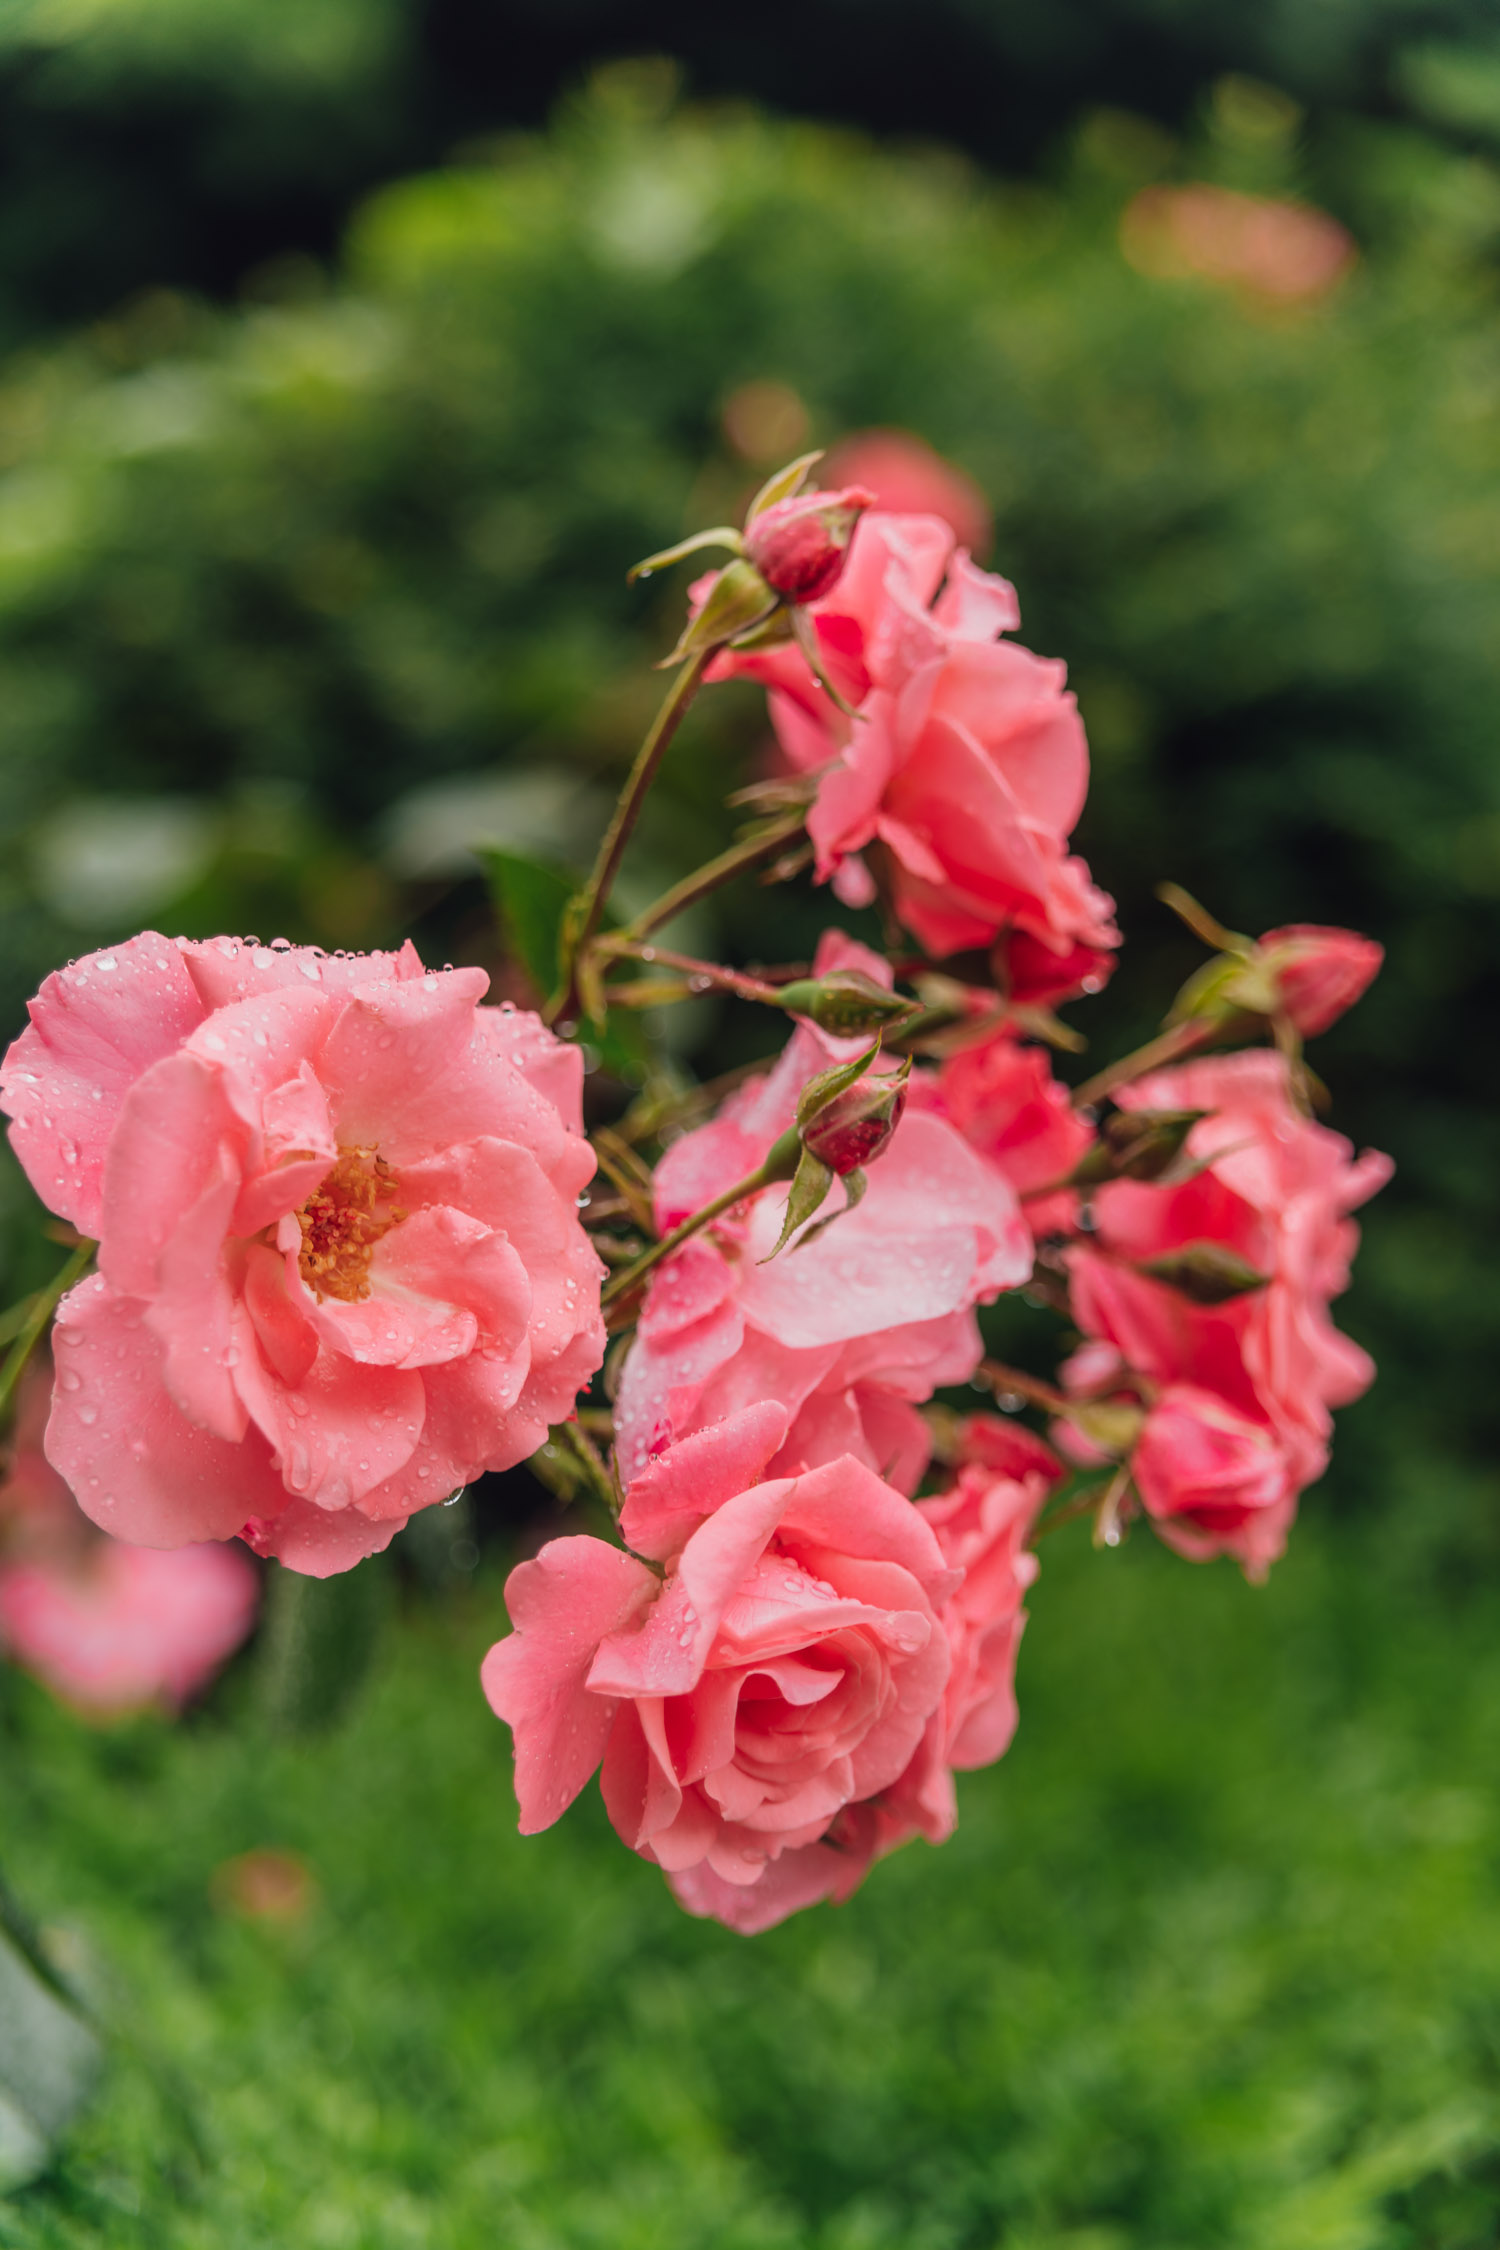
(748, 1702)
(108, 1628)
(1276, 1191)
(909, 479)
(1317, 972)
(1214, 1481)
(850, 1333)
(340, 1268)
(967, 761)
(1003, 1098)
(982, 1524)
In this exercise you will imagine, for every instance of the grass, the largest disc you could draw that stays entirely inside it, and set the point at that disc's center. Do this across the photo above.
(1213, 1961)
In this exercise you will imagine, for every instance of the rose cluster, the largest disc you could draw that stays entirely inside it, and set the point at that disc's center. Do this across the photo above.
(349, 1257)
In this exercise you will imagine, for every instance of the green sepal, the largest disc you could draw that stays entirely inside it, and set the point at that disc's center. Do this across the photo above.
(855, 1184)
(1205, 1272)
(784, 485)
(1138, 1144)
(720, 536)
(821, 1089)
(738, 599)
(810, 1184)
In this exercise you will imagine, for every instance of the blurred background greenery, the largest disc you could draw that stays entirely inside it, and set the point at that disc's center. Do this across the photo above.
(355, 347)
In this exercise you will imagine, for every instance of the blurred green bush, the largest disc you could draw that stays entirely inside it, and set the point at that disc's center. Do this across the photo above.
(296, 603)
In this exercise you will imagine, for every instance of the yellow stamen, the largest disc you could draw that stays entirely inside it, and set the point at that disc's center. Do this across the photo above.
(342, 1220)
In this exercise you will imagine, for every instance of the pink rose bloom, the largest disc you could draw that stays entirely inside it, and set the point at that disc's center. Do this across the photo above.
(750, 1703)
(1318, 973)
(108, 1628)
(851, 1332)
(967, 760)
(1276, 1190)
(341, 1271)
(1003, 1098)
(1214, 1481)
(982, 1524)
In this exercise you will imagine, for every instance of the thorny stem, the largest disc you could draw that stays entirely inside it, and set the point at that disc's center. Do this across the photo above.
(1178, 1040)
(592, 900)
(998, 1377)
(713, 874)
(702, 973)
(43, 1306)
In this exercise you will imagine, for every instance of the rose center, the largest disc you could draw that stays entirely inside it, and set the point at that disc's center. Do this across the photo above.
(342, 1220)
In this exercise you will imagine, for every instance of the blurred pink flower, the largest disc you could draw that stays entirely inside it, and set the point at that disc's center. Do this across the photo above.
(1318, 973)
(108, 1628)
(907, 478)
(341, 1271)
(1286, 252)
(1214, 1481)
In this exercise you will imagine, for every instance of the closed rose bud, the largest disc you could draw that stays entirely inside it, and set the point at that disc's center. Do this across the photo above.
(1317, 973)
(800, 545)
(851, 1130)
(847, 1003)
(1136, 1144)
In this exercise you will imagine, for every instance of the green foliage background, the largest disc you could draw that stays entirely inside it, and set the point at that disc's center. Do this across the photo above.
(1214, 1958)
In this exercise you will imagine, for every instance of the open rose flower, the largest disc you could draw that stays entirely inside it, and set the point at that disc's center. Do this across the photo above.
(1274, 1193)
(1002, 1096)
(750, 1705)
(967, 761)
(1214, 1481)
(108, 1628)
(340, 1266)
(1001, 1480)
(850, 1332)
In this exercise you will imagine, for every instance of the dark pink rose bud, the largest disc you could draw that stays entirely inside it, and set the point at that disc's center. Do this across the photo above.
(800, 545)
(851, 1130)
(1317, 973)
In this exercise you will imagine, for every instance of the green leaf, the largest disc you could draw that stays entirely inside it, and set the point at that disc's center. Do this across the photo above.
(530, 897)
(1205, 1272)
(49, 2059)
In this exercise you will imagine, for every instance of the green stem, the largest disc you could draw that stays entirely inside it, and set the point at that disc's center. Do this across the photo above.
(779, 1164)
(43, 1307)
(1169, 1046)
(714, 873)
(590, 905)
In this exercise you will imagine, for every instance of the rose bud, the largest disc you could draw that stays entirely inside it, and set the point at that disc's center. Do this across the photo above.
(1317, 973)
(853, 1128)
(847, 1003)
(1136, 1144)
(800, 545)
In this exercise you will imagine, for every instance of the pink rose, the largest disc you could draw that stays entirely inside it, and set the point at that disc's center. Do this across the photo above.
(982, 1524)
(967, 761)
(749, 1703)
(1317, 973)
(340, 1268)
(853, 1330)
(1214, 1481)
(108, 1628)
(1003, 1098)
(1275, 1191)
(799, 546)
